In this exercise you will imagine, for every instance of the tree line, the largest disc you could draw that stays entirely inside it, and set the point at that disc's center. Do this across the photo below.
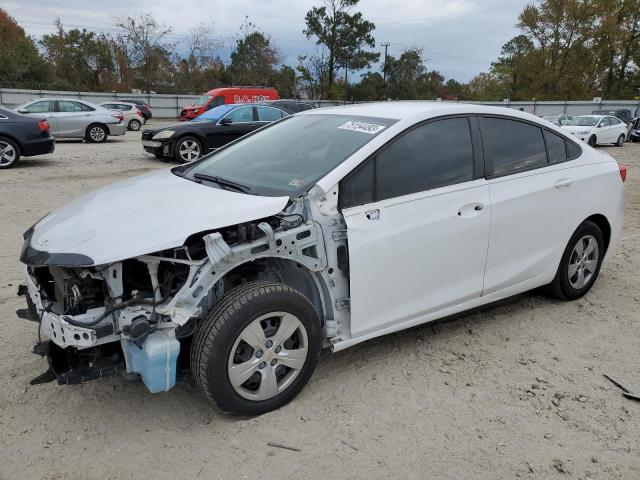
(565, 50)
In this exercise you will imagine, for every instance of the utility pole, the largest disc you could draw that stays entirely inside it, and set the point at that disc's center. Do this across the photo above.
(384, 68)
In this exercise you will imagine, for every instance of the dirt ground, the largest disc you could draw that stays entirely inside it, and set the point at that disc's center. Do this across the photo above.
(515, 390)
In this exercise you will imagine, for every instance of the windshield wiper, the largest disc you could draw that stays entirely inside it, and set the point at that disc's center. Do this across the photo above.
(222, 182)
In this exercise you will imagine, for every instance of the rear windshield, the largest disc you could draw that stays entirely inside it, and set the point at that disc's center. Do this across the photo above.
(289, 156)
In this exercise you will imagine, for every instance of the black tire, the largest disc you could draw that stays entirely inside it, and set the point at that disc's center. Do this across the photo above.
(561, 286)
(620, 142)
(92, 134)
(593, 141)
(10, 153)
(185, 140)
(134, 125)
(217, 334)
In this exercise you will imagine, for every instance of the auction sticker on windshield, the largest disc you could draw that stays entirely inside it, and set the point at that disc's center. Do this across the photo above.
(370, 128)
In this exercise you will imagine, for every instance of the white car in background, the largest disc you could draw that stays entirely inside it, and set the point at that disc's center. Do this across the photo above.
(328, 227)
(598, 129)
(133, 117)
(71, 118)
(558, 119)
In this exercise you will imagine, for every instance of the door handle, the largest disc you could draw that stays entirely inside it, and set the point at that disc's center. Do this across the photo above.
(372, 214)
(478, 207)
(563, 183)
(470, 210)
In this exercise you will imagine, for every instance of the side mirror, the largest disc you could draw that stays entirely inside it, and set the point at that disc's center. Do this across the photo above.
(226, 121)
(23, 110)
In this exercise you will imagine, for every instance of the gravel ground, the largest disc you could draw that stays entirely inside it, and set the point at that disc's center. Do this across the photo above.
(514, 390)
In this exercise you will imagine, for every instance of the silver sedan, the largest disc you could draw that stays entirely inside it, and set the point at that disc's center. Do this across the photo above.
(71, 118)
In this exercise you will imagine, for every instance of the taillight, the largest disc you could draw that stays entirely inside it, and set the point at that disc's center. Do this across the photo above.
(623, 172)
(119, 116)
(43, 126)
(139, 113)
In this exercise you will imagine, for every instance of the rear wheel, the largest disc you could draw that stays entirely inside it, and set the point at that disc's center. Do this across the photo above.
(134, 125)
(188, 149)
(580, 263)
(96, 133)
(620, 142)
(257, 348)
(593, 141)
(9, 153)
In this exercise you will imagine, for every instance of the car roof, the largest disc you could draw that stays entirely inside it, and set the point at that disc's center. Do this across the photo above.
(410, 110)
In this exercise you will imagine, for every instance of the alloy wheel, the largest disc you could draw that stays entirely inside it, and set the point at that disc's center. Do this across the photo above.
(189, 150)
(267, 356)
(7, 154)
(97, 133)
(583, 261)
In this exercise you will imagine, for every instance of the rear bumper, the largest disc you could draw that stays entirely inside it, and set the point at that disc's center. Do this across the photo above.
(117, 129)
(39, 147)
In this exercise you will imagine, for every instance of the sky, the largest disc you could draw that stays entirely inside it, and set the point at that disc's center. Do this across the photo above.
(460, 38)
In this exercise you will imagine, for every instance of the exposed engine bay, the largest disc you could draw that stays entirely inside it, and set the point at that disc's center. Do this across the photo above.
(137, 316)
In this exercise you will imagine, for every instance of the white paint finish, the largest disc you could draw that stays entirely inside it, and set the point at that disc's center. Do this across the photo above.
(145, 214)
(604, 134)
(532, 213)
(424, 253)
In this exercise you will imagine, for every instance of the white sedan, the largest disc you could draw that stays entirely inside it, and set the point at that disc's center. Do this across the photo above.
(598, 129)
(133, 117)
(326, 228)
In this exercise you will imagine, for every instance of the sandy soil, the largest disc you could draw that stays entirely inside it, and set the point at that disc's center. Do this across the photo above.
(515, 390)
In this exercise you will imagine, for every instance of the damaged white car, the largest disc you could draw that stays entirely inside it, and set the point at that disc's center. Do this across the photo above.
(326, 228)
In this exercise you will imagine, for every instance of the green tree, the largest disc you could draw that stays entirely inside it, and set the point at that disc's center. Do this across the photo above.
(254, 60)
(344, 34)
(82, 60)
(20, 62)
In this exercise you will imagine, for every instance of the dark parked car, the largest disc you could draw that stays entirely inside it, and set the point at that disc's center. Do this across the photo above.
(144, 107)
(21, 135)
(634, 131)
(623, 114)
(291, 106)
(189, 141)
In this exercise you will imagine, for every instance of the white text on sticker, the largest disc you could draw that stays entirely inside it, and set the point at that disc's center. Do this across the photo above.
(363, 127)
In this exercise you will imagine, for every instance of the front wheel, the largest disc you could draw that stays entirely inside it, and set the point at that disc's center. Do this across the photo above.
(620, 142)
(580, 263)
(9, 153)
(592, 141)
(257, 348)
(188, 149)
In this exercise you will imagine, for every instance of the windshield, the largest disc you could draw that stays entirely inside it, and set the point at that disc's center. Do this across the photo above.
(214, 114)
(551, 118)
(290, 155)
(584, 121)
(203, 100)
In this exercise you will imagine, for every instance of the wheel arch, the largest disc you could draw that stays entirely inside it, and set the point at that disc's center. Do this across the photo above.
(14, 140)
(294, 274)
(604, 225)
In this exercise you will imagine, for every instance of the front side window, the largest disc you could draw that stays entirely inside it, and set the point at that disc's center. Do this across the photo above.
(288, 157)
(604, 122)
(41, 107)
(433, 155)
(241, 115)
(269, 114)
(511, 146)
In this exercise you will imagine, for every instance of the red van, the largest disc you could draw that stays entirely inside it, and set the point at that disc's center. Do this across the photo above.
(223, 95)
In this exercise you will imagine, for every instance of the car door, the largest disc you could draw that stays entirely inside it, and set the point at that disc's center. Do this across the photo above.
(533, 200)
(618, 127)
(418, 219)
(43, 109)
(73, 119)
(243, 120)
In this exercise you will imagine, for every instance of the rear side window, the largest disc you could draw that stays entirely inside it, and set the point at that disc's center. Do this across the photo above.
(433, 155)
(573, 151)
(512, 146)
(555, 147)
(269, 114)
